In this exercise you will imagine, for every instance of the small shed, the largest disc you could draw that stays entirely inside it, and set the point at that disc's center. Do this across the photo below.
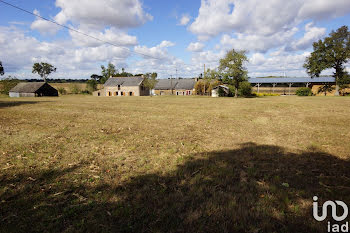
(33, 89)
(215, 92)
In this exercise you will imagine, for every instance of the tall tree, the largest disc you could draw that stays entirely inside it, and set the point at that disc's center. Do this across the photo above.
(232, 66)
(332, 52)
(43, 69)
(108, 72)
(150, 81)
(96, 77)
(2, 71)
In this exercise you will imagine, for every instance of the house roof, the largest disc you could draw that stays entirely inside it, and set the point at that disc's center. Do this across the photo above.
(222, 86)
(175, 84)
(27, 87)
(123, 81)
(293, 80)
(165, 84)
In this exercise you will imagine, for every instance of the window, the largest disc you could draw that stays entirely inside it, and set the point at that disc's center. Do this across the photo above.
(177, 93)
(118, 87)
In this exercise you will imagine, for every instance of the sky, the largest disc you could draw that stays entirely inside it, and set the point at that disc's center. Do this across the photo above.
(172, 38)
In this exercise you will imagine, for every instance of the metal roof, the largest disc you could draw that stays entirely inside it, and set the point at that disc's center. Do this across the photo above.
(175, 84)
(123, 81)
(27, 87)
(293, 80)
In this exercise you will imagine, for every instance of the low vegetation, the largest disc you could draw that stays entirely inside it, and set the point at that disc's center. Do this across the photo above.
(304, 91)
(167, 164)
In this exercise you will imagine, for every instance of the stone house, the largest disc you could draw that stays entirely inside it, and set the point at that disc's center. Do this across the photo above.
(123, 86)
(179, 86)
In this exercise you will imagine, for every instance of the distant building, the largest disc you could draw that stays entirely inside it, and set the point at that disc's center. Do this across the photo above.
(33, 89)
(183, 86)
(289, 85)
(123, 86)
(215, 92)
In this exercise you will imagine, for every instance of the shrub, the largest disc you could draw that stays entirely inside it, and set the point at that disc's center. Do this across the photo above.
(7, 84)
(231, 91)
(304, 91)
(221, 92)
(92, 85)
(62, 91)
(86, 92)
(75, 89)
(245, 89)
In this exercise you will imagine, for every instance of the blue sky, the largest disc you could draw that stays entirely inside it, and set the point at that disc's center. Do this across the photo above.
(181, 35)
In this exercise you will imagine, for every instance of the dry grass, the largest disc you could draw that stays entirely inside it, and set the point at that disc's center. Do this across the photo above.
(195, 164)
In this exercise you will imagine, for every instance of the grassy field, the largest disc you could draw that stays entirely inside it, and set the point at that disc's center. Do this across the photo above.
(171, 164)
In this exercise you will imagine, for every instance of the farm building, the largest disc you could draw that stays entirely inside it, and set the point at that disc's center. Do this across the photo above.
(34, 89)
(175, 86)
(215, 92)
(289, 85)
(123, 86)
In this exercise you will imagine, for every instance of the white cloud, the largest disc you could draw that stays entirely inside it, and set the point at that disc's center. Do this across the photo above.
(166, 43)
(43, 26)
(185, 19)
(110, 35)
(311, 35)
(260, 17)
(323, 9)
(100, 13)
(277, 64)
(157, 53)
(256, 42)
(19, 51)
(257, 59)
(195, 47)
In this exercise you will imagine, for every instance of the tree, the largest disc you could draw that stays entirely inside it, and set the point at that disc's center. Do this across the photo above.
(2, 72)
(332, 52)
(325, 88)
(92, 84)
(7, 84)
(150, 80)
(209, 77)
(232, 67)
(96, 77)
(108, 72)
(43, 69)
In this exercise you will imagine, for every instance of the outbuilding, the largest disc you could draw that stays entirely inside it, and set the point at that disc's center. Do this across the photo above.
(33, 89)
(219, 91)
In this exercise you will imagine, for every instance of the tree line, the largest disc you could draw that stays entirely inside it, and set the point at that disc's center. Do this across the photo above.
(333, 52)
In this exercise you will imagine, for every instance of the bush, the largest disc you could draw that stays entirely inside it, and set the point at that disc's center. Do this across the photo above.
(7, 84)
(62, 91)
(75, 89)
(231, 91)
(304, 91)
(222, 92)
(86, 92)
(92, 85)
(245, 89)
